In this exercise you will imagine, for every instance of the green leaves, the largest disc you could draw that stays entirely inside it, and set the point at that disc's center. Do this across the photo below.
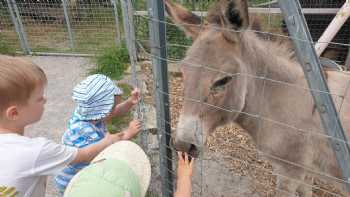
(112, 62)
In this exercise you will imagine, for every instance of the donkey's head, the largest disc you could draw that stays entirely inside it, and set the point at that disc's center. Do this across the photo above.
(215, 86)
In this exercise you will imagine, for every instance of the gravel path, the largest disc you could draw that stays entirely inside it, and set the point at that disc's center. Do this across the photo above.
(63, 73)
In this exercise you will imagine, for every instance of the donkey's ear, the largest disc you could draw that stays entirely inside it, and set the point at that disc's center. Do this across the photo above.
(234, 17)
(183, 18)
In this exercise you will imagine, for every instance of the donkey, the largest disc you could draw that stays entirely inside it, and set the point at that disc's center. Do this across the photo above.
(232, 75)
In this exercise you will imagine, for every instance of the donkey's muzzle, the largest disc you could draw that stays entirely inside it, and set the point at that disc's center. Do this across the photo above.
(189, 148)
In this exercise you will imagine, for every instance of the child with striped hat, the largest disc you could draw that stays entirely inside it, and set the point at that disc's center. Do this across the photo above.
(97, 100)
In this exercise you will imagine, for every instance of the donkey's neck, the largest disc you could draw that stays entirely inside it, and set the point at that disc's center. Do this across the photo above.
(269, 61)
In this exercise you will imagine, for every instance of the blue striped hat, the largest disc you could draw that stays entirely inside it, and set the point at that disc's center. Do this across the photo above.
(94, 97)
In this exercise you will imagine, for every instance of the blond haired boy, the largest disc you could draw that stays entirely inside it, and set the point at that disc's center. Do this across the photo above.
(26, 162)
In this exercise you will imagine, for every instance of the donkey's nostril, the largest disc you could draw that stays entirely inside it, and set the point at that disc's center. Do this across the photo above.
(193, 151)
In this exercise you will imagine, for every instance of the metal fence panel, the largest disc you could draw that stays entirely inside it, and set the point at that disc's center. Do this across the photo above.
(66, 26)
(8, 35)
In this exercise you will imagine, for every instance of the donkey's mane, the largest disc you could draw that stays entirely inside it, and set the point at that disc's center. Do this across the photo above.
(276, 57)
(214, 14)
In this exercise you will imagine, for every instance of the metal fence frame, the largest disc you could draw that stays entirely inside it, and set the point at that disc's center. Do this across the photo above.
(313, 72)
(160, 74)
(16, 20)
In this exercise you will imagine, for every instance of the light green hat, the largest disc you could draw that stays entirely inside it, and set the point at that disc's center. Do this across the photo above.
(121, 170)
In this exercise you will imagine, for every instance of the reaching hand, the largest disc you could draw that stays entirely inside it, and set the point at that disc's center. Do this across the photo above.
(184, 175)
(185, 165)
(112, 138)
(135, 96)
(133, 130)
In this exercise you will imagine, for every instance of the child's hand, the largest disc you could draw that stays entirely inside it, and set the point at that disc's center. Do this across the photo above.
(185, 166)
(135, 96)
(112, 138)
(133, 130)
(184, 175)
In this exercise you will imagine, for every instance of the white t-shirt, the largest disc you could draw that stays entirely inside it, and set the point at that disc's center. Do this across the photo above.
(26, 162)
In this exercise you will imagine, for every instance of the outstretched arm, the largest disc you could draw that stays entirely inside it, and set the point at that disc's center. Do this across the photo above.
(125, 106)
(184, 175)
(88, 153)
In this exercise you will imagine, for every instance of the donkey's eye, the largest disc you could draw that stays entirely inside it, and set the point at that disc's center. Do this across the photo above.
(221, 82)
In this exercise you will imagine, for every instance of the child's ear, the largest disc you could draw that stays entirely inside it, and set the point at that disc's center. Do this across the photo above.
(11, 113)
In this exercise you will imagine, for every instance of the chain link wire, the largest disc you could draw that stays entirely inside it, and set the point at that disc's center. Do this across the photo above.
(87, 26)
(271, 29)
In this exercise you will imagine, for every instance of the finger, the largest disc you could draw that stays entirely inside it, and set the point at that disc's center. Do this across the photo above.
(181, 159)
(136, 91)
(178, 154)
(191, 163)
(186, 158)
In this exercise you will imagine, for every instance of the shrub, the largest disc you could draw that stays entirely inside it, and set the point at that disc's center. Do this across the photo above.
(112, 62)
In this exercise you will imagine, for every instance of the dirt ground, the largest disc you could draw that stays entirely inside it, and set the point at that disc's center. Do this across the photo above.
(63, 73)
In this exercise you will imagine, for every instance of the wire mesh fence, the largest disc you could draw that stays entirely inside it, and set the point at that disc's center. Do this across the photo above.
(277, 146)
(63, 26)
(318, 24)
(277, 136)
(7, 31)
(87, 26)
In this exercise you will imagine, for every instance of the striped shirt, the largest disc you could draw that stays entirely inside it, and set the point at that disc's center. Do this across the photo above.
(80, 133)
